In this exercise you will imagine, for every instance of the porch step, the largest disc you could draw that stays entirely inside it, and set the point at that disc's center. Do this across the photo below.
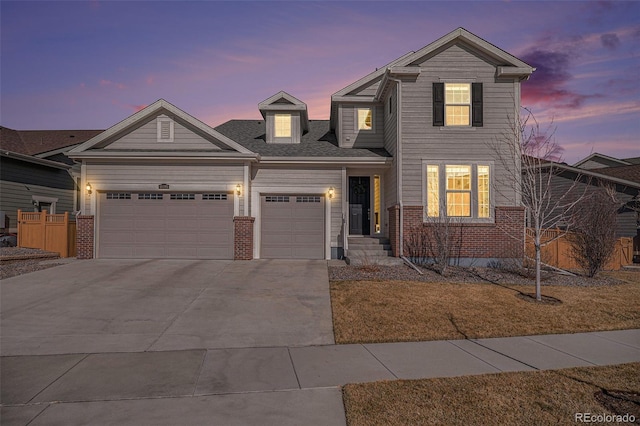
(370, 251)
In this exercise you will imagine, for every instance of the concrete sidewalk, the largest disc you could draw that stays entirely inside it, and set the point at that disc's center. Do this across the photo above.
(278, 385)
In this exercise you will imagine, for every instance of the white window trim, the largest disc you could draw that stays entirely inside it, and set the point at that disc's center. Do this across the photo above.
(357, 119)
(474, 188)
(470, 105)
(159, 122)
(37, 199)
(275, 126)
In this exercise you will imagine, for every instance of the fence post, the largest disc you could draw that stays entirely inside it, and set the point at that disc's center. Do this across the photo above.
(65, 236)
(19, 227)
(43, 226)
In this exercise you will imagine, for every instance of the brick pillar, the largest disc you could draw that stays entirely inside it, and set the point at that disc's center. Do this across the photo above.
(394, 229)
(243, 237)
(84, 237)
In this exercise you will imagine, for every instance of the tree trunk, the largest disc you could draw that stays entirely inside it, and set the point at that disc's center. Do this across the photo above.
(538, 262)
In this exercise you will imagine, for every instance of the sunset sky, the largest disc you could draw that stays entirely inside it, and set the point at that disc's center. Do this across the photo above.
(90, 64)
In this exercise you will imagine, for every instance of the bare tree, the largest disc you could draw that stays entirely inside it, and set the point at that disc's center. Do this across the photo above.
(437, 242)
(593, 239)
(529, 157)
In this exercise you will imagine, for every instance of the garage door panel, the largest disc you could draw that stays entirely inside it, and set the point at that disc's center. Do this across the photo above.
(148, 252)
(165, 228)
(293, 229)
(149, 238)
(118, 237)
(148, 223)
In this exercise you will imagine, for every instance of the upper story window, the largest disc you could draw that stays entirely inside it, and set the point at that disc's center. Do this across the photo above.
(365, 119)
(165, 128)
(458, 190)
(282, 125)
(457, 104)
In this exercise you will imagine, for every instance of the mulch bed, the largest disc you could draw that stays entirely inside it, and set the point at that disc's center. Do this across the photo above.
(19, 260)
(456, 274)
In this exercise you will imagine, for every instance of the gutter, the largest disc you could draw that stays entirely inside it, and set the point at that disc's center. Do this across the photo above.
(35, 160)
(399, 162)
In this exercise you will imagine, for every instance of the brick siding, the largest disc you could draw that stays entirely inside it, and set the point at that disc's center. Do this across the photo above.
(84, 237)
(394, 229)
(243, 237)
(502, 239)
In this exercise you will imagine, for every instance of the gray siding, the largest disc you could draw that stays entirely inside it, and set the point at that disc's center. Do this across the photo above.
(350, 137)
(625, 222)
(180, 177)
(14, 196)
(390, 144)
(423, 141)
(298, 178)
(296, 132)
(369, 90)
(14, 170)
(145, 137)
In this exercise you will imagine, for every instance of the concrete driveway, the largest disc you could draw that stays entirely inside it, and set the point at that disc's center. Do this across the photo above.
(157, 305)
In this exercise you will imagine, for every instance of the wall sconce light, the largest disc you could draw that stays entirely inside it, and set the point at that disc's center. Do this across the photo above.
(238, 189)
(331, 192)
(88, 187)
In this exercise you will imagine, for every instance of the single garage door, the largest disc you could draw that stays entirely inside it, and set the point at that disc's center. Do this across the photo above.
(162, 225)
(292, 227)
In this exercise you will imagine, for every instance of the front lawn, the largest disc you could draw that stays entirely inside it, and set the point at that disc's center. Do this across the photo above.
(392, 311)
(532, 398)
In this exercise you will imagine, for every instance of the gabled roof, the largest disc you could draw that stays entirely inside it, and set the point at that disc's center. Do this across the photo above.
(369, 78)
(605, 160)
(85, 150)
(282, 101)
(630, 173)
(33, 142)
(511, 66)
(626, 179)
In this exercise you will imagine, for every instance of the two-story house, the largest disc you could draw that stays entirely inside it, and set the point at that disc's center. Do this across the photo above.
(404, 146)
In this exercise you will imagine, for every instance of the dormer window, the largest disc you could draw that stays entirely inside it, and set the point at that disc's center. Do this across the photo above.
(365, 119)
(165, 129)
(282, 124)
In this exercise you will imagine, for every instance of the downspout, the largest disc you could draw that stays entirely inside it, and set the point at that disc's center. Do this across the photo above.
(399, 163)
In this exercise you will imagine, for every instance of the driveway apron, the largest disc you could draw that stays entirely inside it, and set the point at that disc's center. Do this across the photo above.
(140, 305)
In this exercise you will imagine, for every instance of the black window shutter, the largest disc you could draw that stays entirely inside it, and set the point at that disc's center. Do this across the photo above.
(476, 104)
(438, 104)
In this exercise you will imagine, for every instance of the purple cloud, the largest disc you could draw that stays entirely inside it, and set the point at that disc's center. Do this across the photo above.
(548, 84)
(610, 41)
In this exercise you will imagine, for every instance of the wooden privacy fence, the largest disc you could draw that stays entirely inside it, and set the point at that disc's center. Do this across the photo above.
(558, 253)
(51, 232)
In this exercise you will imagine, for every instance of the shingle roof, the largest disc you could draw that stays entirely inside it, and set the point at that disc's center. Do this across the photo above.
(31, 142)
(630, 173)
(317, 142)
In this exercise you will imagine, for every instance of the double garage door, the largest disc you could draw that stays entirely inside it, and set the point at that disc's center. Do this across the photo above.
(200, 226)
(165, 225)
(292, 227)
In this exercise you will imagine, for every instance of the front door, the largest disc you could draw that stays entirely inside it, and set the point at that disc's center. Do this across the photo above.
(359, 207)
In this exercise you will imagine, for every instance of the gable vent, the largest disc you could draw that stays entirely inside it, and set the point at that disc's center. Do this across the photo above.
(165, 127)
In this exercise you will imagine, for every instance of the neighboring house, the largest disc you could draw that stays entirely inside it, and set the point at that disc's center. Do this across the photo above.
(35, 175)
(624, 175)
(163, 184)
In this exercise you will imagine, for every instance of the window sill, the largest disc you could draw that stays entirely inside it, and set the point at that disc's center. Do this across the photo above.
(454, 128)
(464, 221)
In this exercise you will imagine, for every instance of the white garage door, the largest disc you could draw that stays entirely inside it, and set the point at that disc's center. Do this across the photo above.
(292, 227)
(162, 225)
